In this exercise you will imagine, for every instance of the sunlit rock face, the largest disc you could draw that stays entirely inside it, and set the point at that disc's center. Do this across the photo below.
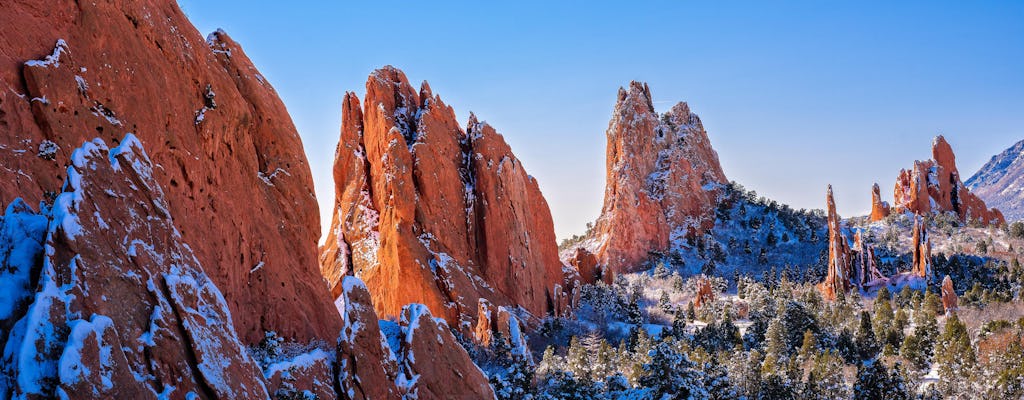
(663, 181)
(839, 277)
(934, 186)
(222, 144)
(428, 212)
(879, 209)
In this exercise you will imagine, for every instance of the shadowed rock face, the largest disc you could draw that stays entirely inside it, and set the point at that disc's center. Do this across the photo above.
(221, 142)
(122, 307)
(427, 212)
(934, 186)
(663, 180)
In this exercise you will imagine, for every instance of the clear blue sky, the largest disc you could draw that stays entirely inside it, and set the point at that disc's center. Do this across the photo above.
(794, 95)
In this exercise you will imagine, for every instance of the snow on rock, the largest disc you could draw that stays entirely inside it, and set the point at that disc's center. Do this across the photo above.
(1000, 182)
(663, 176)
(367, 367)
(428, 212)
(431, 360)
(934, 186)
(140, 66)
(122, 310)
(306, 373)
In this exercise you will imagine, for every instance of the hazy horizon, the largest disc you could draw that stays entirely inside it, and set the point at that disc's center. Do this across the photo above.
(794, 96)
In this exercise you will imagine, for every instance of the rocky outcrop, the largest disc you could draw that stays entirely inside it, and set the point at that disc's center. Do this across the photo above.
(587, 266)
(949, 298)
(879, 209)
(1000, 182)
(367, 369)
(838, 278)
(934, 186)
(226, 151)
(663, 180)
(705, 293)
(497, 322)
(429, 368)
(427, 212)
(122, 307)
(921, 262)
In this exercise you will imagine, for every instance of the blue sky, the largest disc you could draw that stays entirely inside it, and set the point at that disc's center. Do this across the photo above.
(794, 95)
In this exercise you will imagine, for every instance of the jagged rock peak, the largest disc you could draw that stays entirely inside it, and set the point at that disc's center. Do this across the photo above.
(428, 212)
(663, 180)
(838, 278)
(934, 186)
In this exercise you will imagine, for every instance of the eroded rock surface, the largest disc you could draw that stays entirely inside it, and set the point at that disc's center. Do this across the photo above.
(222, 142)
(663, 180)
(934, 186)
(122, 307)
(427, 212)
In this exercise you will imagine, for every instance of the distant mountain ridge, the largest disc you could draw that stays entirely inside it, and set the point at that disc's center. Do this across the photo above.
(1000, 182)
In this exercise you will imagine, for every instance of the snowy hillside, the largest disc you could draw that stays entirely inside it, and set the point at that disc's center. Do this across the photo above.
(1000, 182)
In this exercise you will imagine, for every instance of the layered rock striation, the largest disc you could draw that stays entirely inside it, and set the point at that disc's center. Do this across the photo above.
(663, 181)
(428, 212)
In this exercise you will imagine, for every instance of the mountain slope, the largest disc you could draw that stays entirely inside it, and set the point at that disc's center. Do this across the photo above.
(1000, 182)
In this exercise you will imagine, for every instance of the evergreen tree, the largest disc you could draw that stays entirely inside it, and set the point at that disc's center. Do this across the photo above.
(664, 302)
(576, 360)
(954, 356)
(867, 344)
(873, 381)
(670, 373)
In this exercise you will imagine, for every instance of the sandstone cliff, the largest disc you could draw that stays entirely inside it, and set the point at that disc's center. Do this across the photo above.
(663, 180)
(428, 212)
(224, 146)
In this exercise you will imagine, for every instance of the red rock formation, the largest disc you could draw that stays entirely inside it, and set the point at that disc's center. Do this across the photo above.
(879, 209)
(866, 273)
(705, 293)
(496, 321)
(228, 154)
(123, 308)
(663, 180)
(949, 298)
(427, 212)
(586, 264)
(934, 186)
(366, 367)
(429, 367)
(840, 267)
(921, 264)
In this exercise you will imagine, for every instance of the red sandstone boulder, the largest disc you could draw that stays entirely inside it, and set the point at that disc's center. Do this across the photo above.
(227, 153)
(949, 298)
(587, 266)
(427, 212)
(934, 186)
(663, 180)
(879, 209)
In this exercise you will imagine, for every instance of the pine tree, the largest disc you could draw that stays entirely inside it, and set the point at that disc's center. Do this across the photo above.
(576, 360)
(664, 302)
(873, 381)
(669, 373)
(954, 356)
(867, 344)
(809, 347)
